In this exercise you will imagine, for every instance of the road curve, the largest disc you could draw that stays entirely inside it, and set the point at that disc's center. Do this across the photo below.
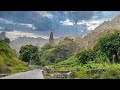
(34, 74)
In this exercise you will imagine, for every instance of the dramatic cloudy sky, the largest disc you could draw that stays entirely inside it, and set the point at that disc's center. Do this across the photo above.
(61, 23)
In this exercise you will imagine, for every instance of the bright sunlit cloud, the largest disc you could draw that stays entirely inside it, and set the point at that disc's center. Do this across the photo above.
(15, 34)
(92, 24)
(66, 22)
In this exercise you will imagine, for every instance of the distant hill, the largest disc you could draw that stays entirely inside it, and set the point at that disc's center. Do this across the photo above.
(21, 41)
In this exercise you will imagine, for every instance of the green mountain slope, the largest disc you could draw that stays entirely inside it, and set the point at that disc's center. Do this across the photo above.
(8, 61)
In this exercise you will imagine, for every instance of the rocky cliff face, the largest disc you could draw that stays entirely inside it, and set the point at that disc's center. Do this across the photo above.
(90, 40)
(2, 36)
(105, 27)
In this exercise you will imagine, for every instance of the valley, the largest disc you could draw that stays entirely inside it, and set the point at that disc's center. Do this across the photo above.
(93, 56)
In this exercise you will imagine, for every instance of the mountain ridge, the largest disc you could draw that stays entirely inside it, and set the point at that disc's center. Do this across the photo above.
(105, 27)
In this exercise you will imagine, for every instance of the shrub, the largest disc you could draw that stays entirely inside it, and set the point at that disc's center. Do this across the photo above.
(111, 73)
(86, 55)
(101, 57)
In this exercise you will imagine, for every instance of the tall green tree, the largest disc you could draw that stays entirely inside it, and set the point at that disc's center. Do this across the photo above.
(29, 53)
(110, 45)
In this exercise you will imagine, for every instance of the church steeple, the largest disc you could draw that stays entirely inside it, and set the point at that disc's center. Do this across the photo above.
(51, 39)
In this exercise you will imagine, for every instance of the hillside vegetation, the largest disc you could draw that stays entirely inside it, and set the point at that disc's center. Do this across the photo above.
(58, 52)
(101, 62)
(8, 61)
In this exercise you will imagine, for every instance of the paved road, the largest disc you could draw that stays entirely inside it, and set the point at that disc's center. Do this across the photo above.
(34, 74)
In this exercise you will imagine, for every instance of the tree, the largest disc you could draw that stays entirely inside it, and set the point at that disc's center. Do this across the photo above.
(110, 45)
(86, 55)
(46, 46)
(29, 53)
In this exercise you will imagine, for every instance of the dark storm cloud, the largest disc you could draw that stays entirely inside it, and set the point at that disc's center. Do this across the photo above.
(74, 16)
(27, 17)
(82, 15)
(47, 21)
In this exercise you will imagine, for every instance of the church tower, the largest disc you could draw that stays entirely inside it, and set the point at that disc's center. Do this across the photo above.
(51, 39)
